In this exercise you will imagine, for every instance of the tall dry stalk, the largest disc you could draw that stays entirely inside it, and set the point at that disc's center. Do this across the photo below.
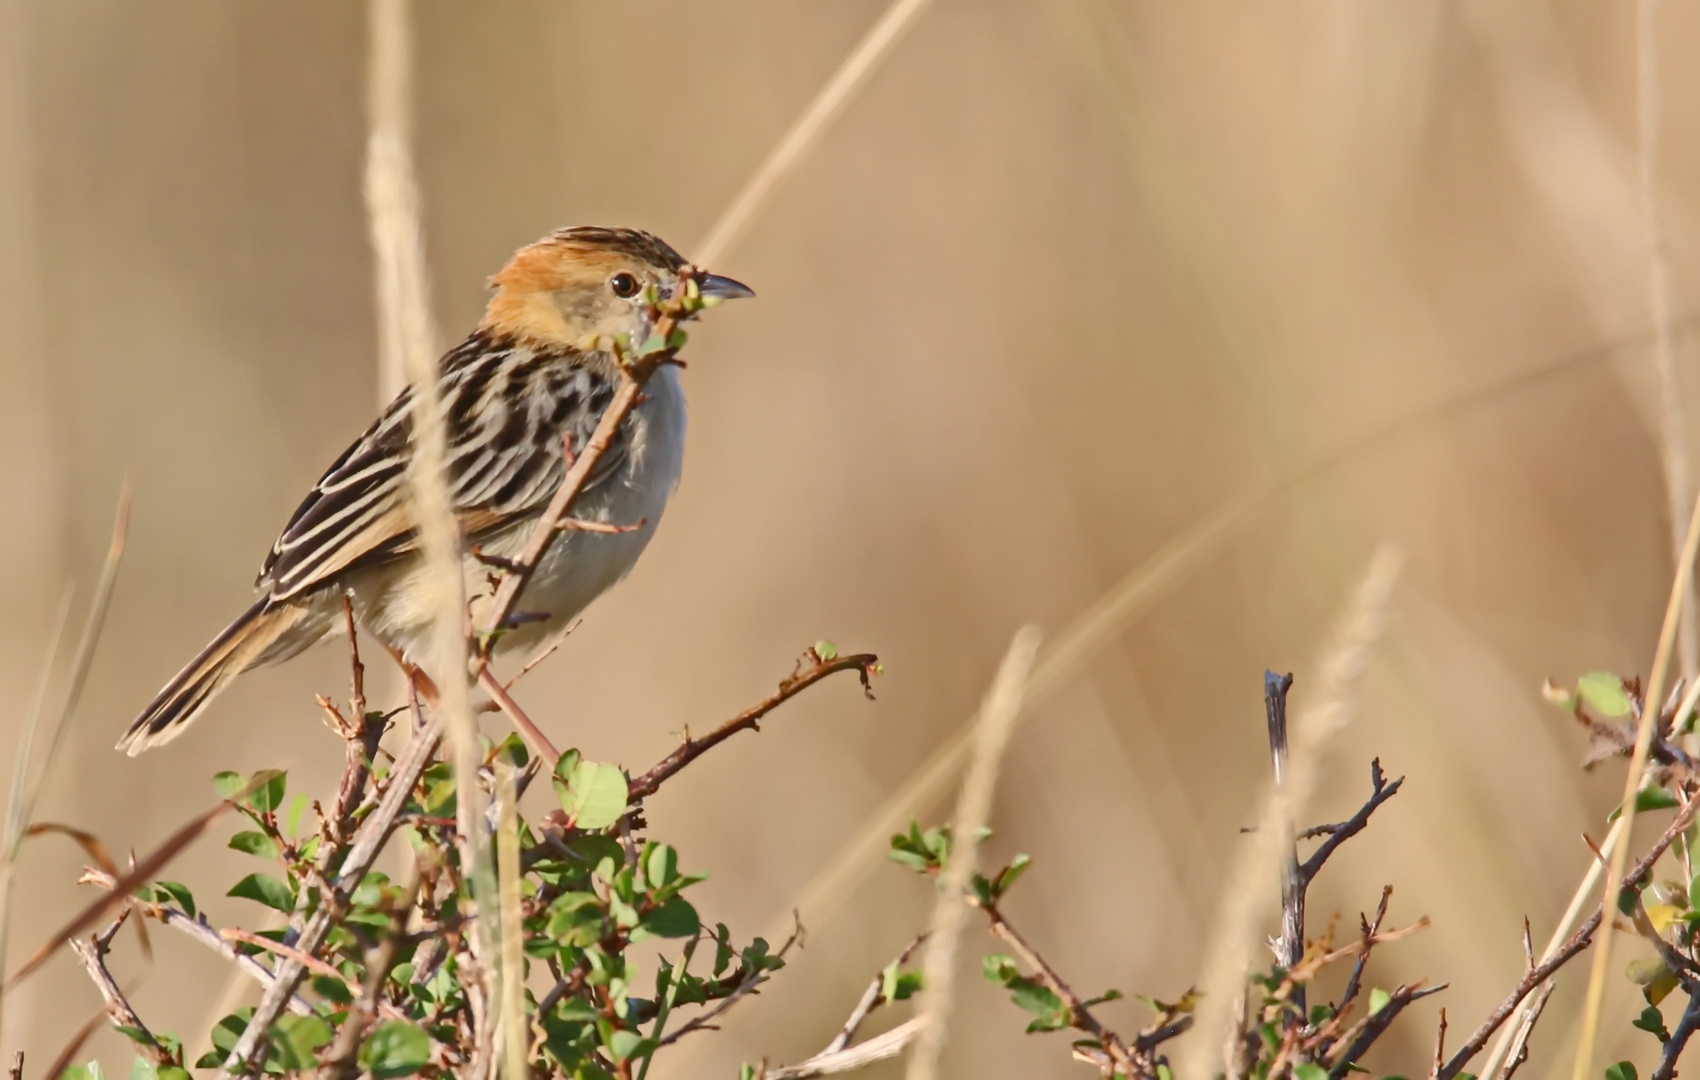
(1248, 886)
(806, 131)
(25, 795)
(1652, 704)
(973, 808)
(512, 1027)
(1673, 428)
(407, 342)
(17, 817)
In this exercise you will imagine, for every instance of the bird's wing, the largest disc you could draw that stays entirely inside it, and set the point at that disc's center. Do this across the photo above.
(509, 407)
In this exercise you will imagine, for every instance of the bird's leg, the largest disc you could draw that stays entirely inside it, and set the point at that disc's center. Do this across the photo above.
(416, 676)
(499, 562)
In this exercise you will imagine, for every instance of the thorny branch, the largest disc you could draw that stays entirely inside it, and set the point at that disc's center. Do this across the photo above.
(1617, 738)
(1375, 1026)
(749, 984)
(810, 670)
(1579, 940)
(1519, 1051)
(369, 1000)
(1132, 1061)
(838, 1055)
(92, 952)
(410, 765)
(1381, 791)
(199, 929)
(1679, 1037)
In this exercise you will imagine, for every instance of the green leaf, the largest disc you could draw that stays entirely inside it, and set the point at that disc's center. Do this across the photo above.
(254, 843)
(897, 985)
(1378, 1000)
(660, 865)
(1012, 873)
(1650, 1020)
(143, 1069)
(1653, 798)
(1000, 969)
(334, 990)
(1309, 1071)
(1604, 692)
(225, 1033)
(294, 1038)
(268, 786)
(264, 889)
(675, 919)
(397, 1048)
(1623, 1070)
(1035, 997)
(1661, 986)
(826, 651)
(228, 784)
(722, 949)
(628, 1044)
(91, 1071)
(594, 795)
(297, 806)
(173, 892)
(512, 749)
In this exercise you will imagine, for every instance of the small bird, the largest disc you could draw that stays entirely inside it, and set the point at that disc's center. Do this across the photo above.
(538, 370)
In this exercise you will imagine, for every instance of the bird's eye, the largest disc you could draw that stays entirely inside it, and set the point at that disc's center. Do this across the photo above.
(623, 284)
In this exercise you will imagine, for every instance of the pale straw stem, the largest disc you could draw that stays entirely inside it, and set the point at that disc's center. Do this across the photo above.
(807, 130)
(1650, 708)
(1673, 429)
(973, 808)
(408, 341)
(1068, 653)
(1501, 1048)
(511, 1023)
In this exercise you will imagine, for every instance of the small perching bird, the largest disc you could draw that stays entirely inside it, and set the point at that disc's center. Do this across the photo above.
(539, 369)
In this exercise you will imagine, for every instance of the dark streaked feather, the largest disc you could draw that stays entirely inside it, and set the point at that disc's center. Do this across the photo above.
(242, 644)
(508, 406)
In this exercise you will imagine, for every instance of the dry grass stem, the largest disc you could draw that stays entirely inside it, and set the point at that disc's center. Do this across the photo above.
(1561, 933)
(403, 286)
(393, 210)
(1579, 940)
(1132, 597)
(1261, 854)
(1003, 705)
(17, 816)
(141, 873)
(24, 795)
(1653, 700)
(1069, 652)
(851, 1058)
(512, 1022)
(783, 159)
(198, 929)
(1673, 428)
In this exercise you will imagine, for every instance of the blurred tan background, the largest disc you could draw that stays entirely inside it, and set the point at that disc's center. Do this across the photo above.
(1066, 277)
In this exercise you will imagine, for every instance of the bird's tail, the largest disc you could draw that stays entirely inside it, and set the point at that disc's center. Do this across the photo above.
(231, 653)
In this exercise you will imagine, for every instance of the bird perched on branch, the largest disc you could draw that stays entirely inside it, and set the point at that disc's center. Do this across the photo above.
(537, 373)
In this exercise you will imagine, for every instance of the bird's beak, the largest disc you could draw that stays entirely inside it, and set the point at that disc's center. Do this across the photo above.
(724, 288)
